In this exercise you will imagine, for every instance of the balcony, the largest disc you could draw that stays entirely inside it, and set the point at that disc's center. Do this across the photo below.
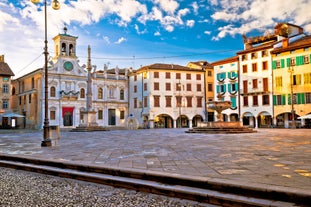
(255, 91)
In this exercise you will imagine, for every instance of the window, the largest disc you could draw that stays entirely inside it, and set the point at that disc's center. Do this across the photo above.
(297, 79)
(156, 74)
(188, 86)
(244, 57)
(135, 78)
(254, 67)
(178, 76)
(264, 53)
(135, 103)
(265, 65)
(121, 94)
(145, 101)
(254, 55)
(145, 75)
(82, 93)
(52, 114)
(292, 61)
(168, 75)
(135, 89)
(233, 102)
(189, 101)
(145, 86)
(245, 100)
(199, 87)
(5, 104)
(265, 84)
(52, 91)
(307, 78)
(13, 91)
(122, 115)
(168, 100)
(111, 92)
(209, 73)
(156, 101)
(265, 100)
(278, 64)
(245, 87)
(29, 98)
(156, 86)
(5, 88)
(308, 98)
(306, 59)
(198, 76)
(255, 83)
(255, 100)
(100, 93)
(20, 100)
(244, 68)
(168, 86)
(210, 87)
(188, 76)
(178, 101)
(278, 81)
(100, 114)
(32, 83)
(199, 102)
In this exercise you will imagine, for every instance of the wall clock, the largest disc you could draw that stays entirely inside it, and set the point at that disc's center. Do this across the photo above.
(68, 65)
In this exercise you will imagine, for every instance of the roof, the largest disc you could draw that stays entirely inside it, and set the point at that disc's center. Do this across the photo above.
(202, 64)
(257, 48)
(5, 69)
(164, 66)
(300, 43)
(227, 60)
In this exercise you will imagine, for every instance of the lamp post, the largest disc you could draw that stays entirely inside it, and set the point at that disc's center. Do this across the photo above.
(291, 71)
(46, 142)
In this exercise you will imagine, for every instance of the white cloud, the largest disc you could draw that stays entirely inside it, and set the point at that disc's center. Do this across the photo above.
(169, 6)
(207, 32)
(245, 16)
(190, 23)
(138, 31)
(120, 40)
(195, 7)
(157, 33)
(107, 39)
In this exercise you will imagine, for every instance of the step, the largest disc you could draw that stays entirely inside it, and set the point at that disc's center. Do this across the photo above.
(200, 189)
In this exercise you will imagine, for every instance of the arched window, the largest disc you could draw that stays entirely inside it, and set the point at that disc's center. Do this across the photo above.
(13, 91)
(121, 94)
(52, 91)
(63, 49)
(111, 92)
(82, 93)
(71, 50)
(100, 93)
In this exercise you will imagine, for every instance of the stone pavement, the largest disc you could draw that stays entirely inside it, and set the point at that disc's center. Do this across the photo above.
(270, 157)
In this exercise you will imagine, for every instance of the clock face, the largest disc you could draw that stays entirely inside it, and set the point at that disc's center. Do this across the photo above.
(68, 65)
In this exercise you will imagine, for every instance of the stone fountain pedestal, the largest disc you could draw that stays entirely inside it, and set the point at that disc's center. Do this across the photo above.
(220, 126)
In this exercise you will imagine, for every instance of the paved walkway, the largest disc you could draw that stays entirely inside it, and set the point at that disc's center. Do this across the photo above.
(271, 157)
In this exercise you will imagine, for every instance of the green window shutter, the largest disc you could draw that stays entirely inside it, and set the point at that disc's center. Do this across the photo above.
(289, 100)
(236, 87)
(282, 63)
(283, 99)
(287, 62)
(298, 96)
(224, 75)
(303, 98)
(233, 102)
(297, 61)
(218, 88)
(229, 87)
(274, 100)
(274, 64)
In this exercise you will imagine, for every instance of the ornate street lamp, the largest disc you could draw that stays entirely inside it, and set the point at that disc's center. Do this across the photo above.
(46, 140)
(291, 71)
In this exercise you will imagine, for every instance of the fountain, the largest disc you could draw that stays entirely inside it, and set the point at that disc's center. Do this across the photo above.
(220, 126)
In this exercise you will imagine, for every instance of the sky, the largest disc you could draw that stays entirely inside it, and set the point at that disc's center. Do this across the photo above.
(135, 33)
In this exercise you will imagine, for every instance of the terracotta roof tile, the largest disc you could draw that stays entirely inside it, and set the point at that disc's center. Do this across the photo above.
(5, 69)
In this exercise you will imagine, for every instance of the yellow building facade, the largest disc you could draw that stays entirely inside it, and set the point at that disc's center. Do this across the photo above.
(291, 68)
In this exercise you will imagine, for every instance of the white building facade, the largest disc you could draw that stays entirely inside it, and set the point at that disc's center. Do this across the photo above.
(166, 96)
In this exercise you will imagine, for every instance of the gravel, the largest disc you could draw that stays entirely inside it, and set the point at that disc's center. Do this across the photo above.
(23, 188)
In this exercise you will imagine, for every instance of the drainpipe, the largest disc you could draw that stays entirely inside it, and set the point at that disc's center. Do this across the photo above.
(239, 88)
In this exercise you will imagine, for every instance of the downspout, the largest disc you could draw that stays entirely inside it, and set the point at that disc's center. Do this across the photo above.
(205, 110)
(272, 89)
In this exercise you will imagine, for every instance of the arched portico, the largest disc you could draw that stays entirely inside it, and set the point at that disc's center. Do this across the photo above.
(264, 120)
(163, 121)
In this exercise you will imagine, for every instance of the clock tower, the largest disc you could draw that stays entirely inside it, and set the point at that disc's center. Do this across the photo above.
(65, 59)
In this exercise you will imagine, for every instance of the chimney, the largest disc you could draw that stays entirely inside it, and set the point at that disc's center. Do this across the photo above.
(284, 42)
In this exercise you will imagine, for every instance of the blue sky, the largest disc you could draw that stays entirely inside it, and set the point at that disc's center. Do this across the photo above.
(131, 33)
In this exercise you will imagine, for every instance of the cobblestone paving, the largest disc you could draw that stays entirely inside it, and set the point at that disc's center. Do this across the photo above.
(24, 189)
(274, 157)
